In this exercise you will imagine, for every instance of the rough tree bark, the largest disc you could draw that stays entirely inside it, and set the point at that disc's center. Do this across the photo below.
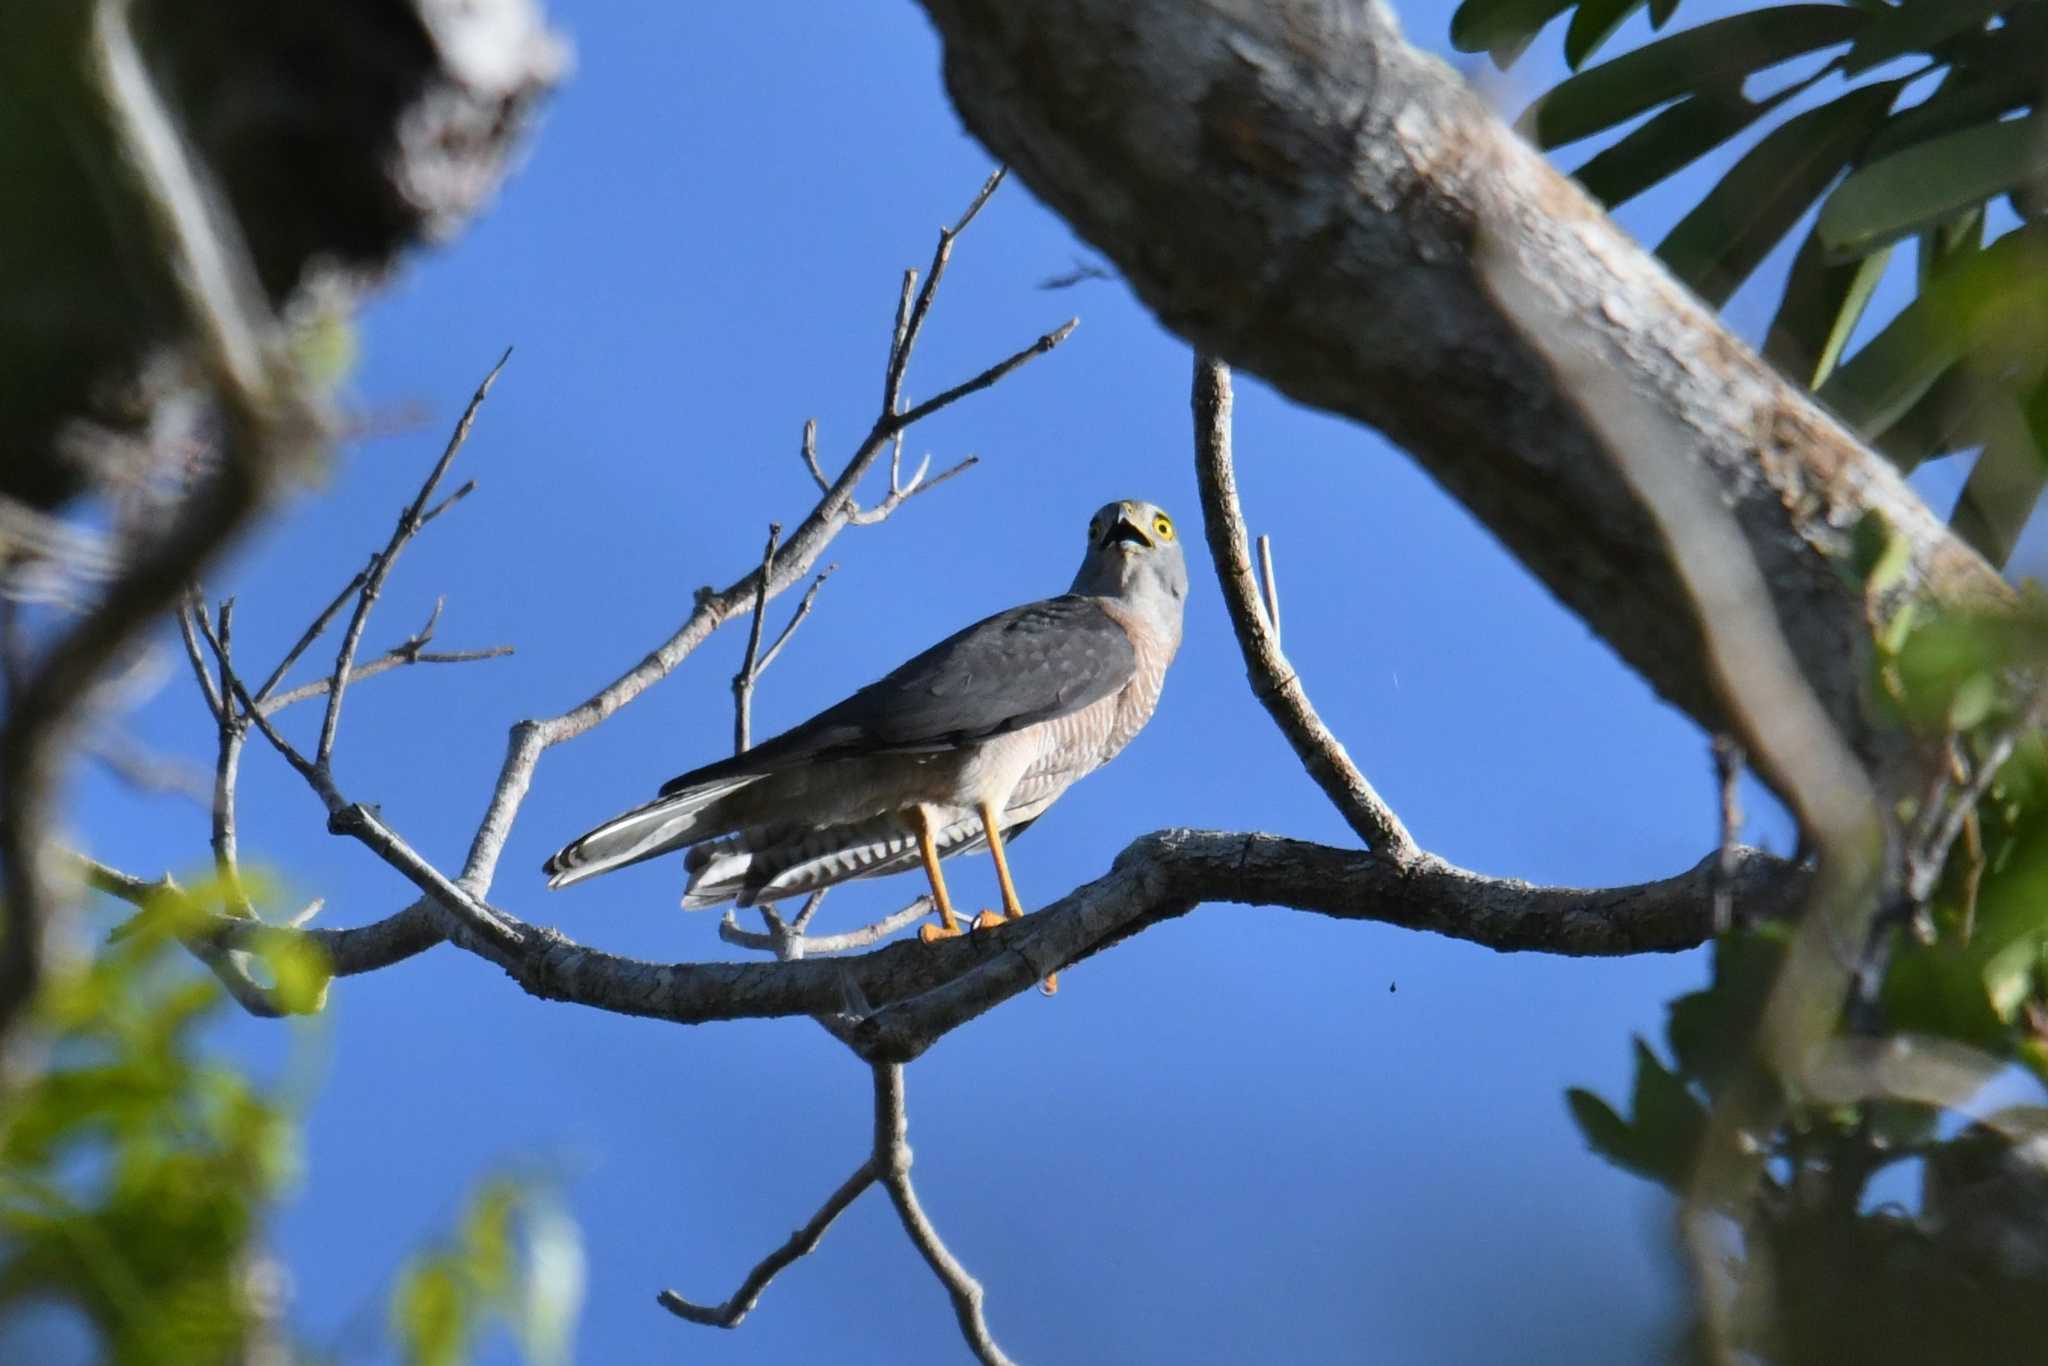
(1295, 190)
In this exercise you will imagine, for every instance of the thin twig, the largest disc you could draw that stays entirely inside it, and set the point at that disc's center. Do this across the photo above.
(801, 1244)
(816, 944)
(985, 378)
(311, 634)
(1938, 834)
(811, 904)
(409, 523)
(188, 607)
(909, 324)
(743, 681)
(897, 496)
(468, 487)
(796, 619)
(396, 657)
(893, 1157)
(810, 454)
(1274, 681)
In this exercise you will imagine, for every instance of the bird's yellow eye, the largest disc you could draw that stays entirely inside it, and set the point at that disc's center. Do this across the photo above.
(1164, 526)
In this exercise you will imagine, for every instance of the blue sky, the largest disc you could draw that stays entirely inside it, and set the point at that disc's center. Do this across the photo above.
(1248, 1135)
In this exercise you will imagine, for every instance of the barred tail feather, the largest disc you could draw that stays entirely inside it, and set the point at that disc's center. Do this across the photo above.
(643, 833)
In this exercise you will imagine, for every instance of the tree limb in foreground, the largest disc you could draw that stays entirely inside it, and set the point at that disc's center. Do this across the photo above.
(1295, 190)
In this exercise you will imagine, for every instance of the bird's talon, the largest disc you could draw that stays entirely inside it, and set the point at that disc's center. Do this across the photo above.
(932, 934)
(987, 920)
(1050, 986)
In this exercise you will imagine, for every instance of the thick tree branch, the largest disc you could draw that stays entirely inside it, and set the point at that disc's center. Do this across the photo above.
(909, 995)
(1295, 190)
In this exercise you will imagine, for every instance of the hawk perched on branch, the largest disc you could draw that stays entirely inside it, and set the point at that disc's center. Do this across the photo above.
(968, 742)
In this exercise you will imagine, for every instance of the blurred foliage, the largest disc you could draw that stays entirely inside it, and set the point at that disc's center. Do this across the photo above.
(1929, 128)
(516, 1259)
(134, 1172)
(1832, 1265)
(137, 1175)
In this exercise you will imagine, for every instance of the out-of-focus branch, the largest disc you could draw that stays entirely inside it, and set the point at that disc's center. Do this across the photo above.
(1781, 720)
(267, 426)
(1273, 680)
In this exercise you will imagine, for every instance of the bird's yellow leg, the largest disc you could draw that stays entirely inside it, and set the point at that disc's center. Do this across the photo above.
(1011, 907)
(929, 852)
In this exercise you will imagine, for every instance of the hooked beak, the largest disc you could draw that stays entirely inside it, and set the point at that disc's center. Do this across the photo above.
(1125, 528)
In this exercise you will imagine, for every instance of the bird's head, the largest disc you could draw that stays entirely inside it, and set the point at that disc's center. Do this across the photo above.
(1134, 554)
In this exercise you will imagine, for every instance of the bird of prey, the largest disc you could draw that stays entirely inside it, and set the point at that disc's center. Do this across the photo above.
(968, 742)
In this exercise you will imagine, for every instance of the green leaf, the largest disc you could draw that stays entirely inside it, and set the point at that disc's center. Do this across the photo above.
(1975, 698)
(1918, 27)
(1932, 181)
(1607, 1133)
(2007, 480)
(1940, 991)
(1490, 25)
(1715, 55)
(1716, 246)
(1669, 141)
(1942, 243)
(1966, 98)
(1593, 24)
(430, 1313)
(1937, 423)
(1992, 303)
(1878, 552)
(1819, 311)
(1667, 1117)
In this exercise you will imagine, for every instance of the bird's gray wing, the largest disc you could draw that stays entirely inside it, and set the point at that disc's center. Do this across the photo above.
(1018, 668)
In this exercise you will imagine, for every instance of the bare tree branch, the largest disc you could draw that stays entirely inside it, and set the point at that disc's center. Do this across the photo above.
(801, 1244)
(750, 664)
(1273, 680)
(920, 992)
(892, 1157)
(416, 927)
(794, 943)
(312, 633)
(889, 1162)
(409, 523)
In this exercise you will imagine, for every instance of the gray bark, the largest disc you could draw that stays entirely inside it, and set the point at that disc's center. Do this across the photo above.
(1295, 190)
